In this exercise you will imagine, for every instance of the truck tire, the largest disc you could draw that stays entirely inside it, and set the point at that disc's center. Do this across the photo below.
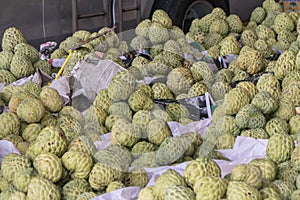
(182, 12)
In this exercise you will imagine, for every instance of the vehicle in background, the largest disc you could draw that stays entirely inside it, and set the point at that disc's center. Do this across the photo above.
(41, 20)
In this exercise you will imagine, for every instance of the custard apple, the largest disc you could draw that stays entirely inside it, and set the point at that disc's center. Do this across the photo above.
(42, 189)
(48, 166)
(11, 37)
(280, 147)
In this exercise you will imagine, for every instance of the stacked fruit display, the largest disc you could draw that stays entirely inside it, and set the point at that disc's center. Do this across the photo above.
(59, 160)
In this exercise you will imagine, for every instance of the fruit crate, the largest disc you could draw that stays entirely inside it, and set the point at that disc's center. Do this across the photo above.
(291, 5)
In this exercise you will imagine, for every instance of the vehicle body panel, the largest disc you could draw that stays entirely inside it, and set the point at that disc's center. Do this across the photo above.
(28, 16)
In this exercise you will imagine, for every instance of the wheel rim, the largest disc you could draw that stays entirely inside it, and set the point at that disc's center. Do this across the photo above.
(196, 10)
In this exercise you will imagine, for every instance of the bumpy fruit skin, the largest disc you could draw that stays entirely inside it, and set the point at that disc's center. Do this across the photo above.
(250, 60)
(198, 89)
(74, 188)
(234, 100)
(249, 87)
(179, 193)
(43, 65)
(51, 99)
(142, 118)
(283, 22)
(285, 64)
(249, 174)
(209, 187)
(158, 33)
(287, 171)
(5, 59)
(219, 89)
(176, 33)
(103, 100)
(82, 144)
(22, 179)
(12, 194)
(142, 147)
(48, 119)
(28, 50)
(8, 91)
(16, 99)
(110, 159)
(142, 28)
(31, 110)
(286, 109)
(202, 71)
(97, 114)
(177, 111)
(267, 167)
(157, 131)
(102, 175)
(264, 33)
(212, 39)
(59, 53)
(6, 77)
(294, 125)
(86, 196)
(168, 179)
(145, 160)
(248, 38)
(219, 26)
(50, 139)
(200, 167)
(136, 177)
(292, 92)
(9, 124)
(48, 166)
(256, 133)
(114, 155)
(229, 45)
(291, 77)
(295, 157)
(235, 23)
(139, 42)
(265, 102)
(269, 83)
(258, 15)
(12, 163)
(277, 125)
(263, 47)
(280, 147)
(269, 193)
(250, 117)
(70, 126)
(146, 194)
(180, 80)
(11, 37)
(160, 16)
(114, 186)
(295, 195)
(161, 114)
(139, 100)
(161, 91)
(73, 112)
(21, 66)
(170, 150)
(121, 86)
(285, 188)
(78, 162)
(241, 190)
(42, 189)
(126, 134)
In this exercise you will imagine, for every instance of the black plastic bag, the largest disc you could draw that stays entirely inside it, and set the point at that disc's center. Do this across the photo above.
(197, 106)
